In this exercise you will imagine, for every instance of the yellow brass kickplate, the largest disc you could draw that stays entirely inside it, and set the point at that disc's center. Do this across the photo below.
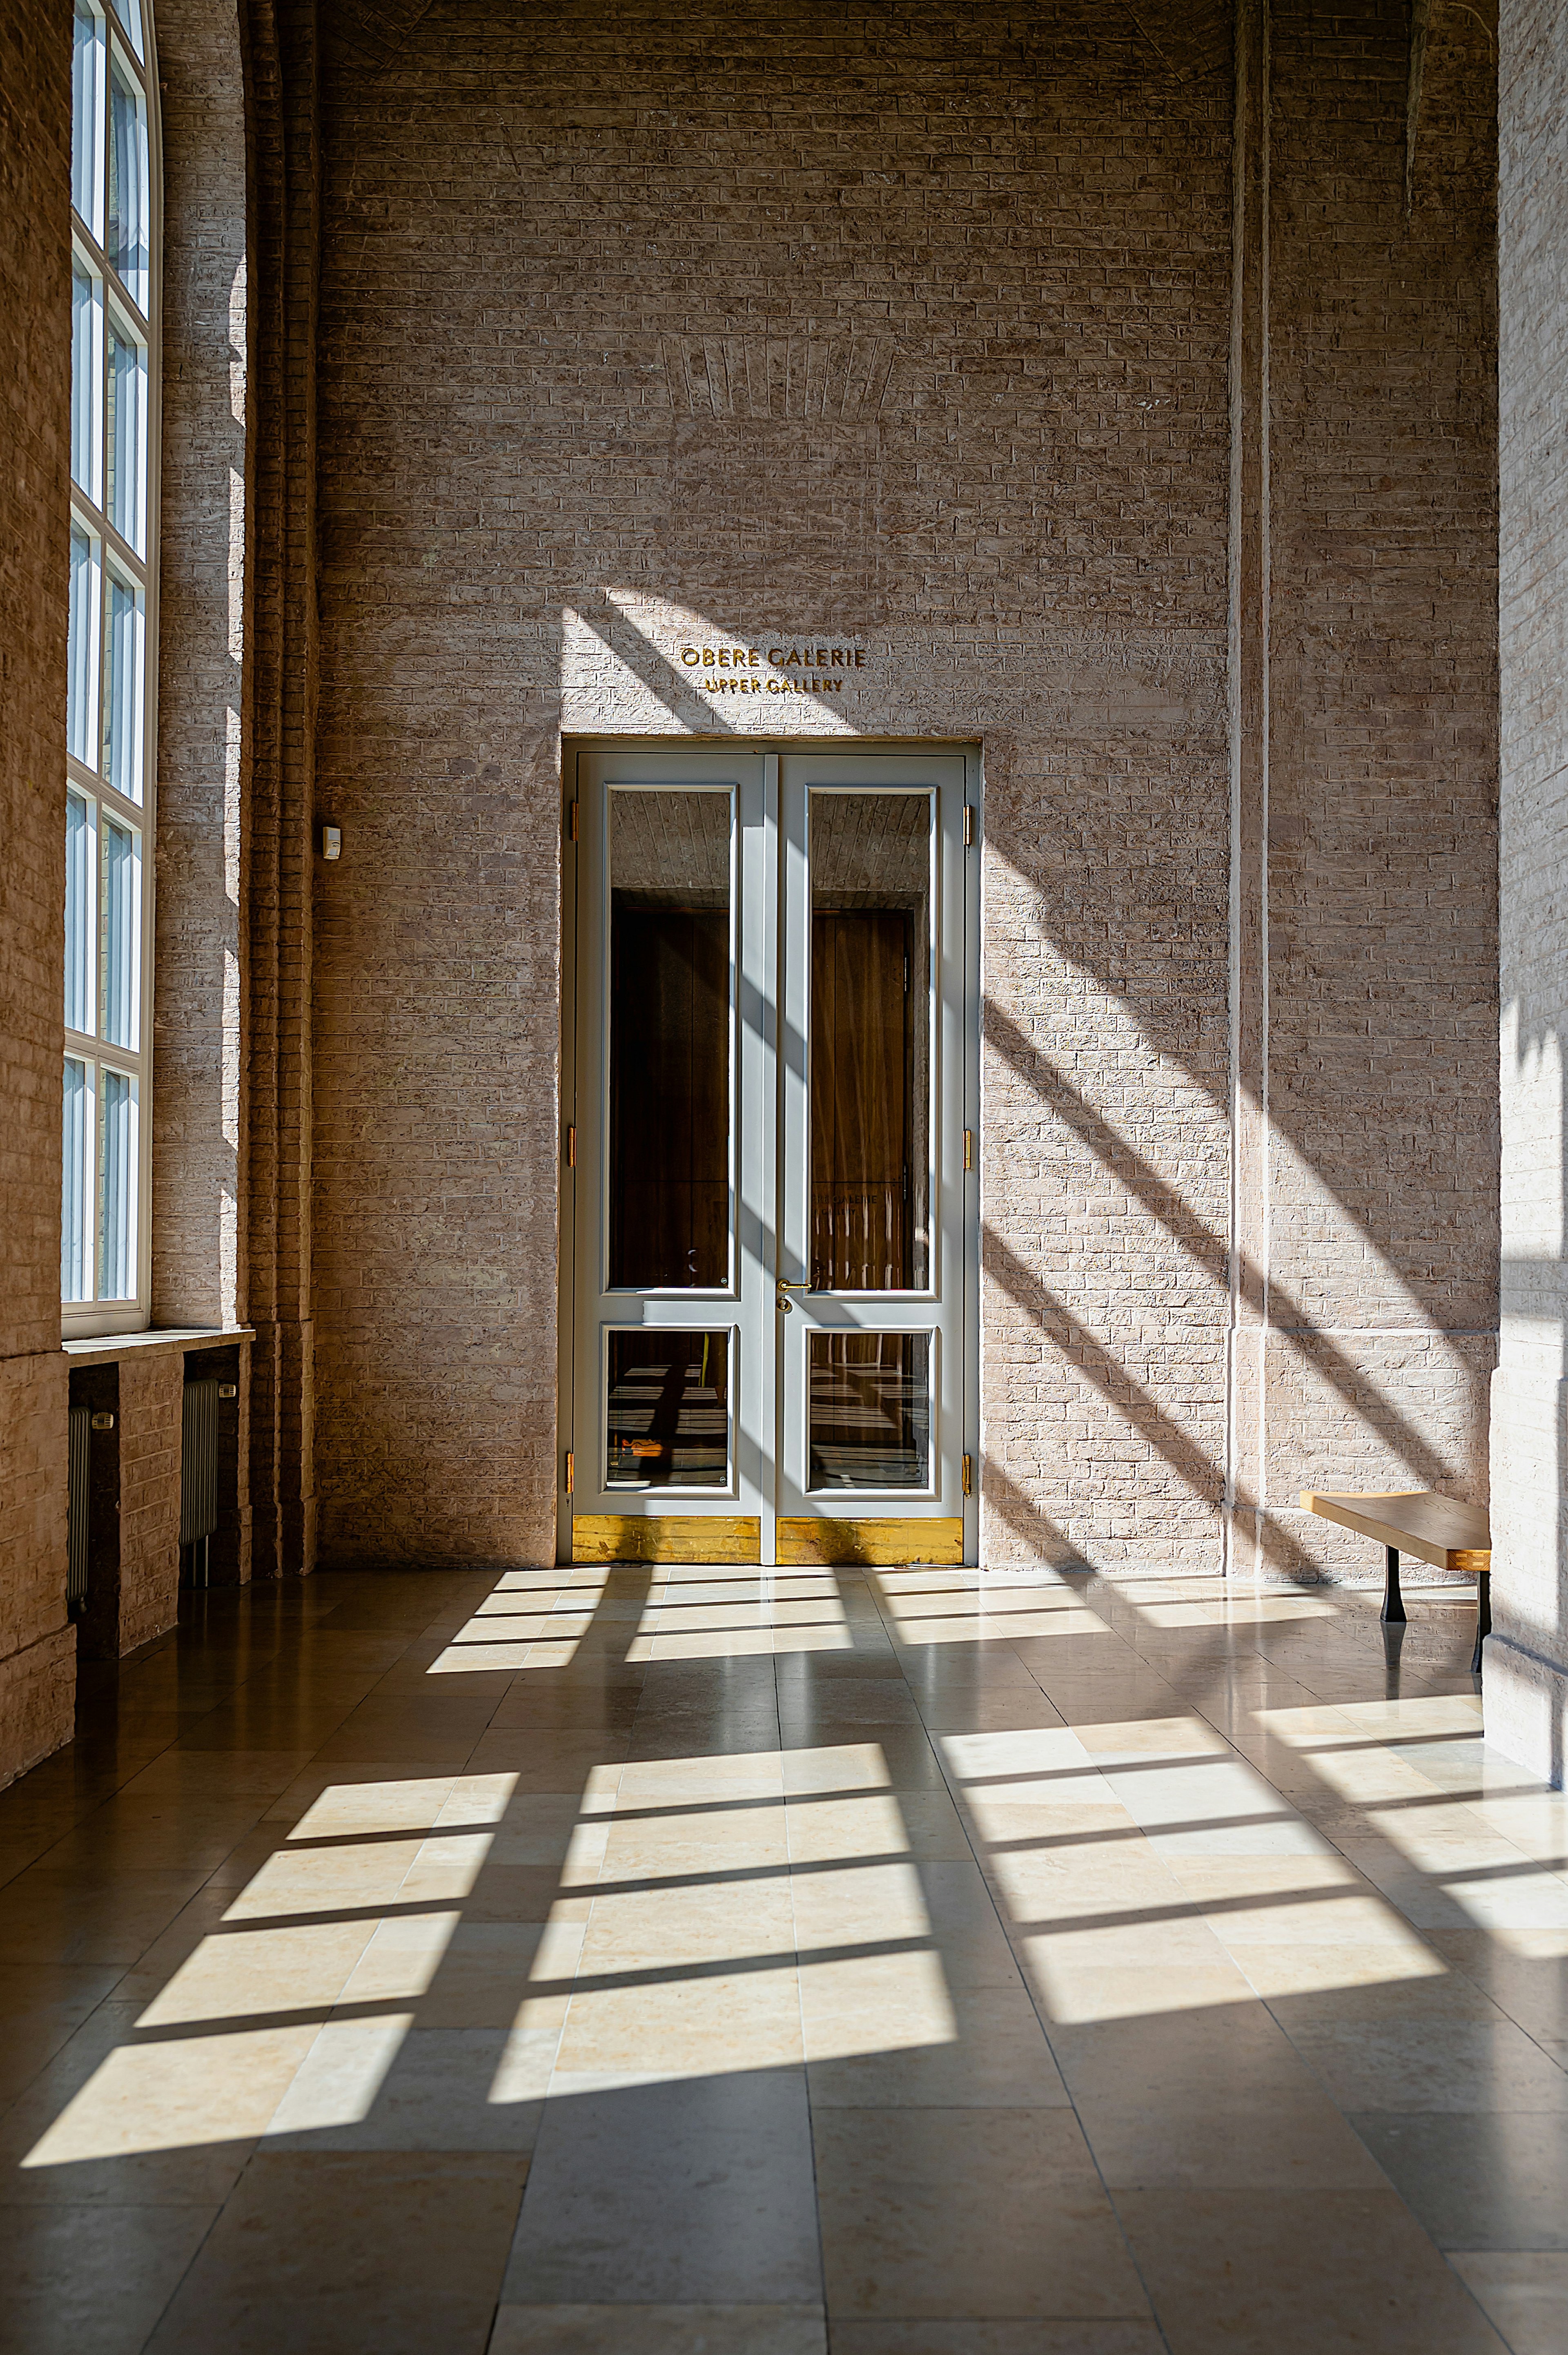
(879, 1544)
(666, 1537)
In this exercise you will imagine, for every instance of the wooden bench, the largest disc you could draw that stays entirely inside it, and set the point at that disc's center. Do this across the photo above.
(1434, 1529)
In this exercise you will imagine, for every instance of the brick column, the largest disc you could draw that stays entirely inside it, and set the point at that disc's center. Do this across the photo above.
(282, 695)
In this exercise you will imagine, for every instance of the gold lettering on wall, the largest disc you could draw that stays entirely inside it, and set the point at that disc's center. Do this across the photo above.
(792, 669)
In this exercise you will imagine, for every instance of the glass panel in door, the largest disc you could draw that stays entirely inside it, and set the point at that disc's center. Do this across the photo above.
(870, 1281)
(669, 1395)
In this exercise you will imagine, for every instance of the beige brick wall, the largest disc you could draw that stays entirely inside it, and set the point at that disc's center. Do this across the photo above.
(151, 1388)
(913, 329)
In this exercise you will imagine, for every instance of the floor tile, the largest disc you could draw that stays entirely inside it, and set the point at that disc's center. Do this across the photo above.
(1523, 2291)
(1254, 2273)
(966, 2212)
(676, 2194)
(659, 2330)
(1480, 2179)
(332, 2253)
(93, 2281)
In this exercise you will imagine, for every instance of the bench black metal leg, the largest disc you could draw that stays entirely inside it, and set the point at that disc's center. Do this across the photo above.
(1483, 1617)
(1392, 1603)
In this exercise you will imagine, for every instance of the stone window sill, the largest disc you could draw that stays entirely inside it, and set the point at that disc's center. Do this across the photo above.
(107, 1349)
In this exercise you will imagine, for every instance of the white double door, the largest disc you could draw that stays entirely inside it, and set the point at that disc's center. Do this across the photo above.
(768, 1209)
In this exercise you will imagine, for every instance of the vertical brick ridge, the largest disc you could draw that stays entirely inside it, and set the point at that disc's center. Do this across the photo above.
(285, 203)
(1243, 1533)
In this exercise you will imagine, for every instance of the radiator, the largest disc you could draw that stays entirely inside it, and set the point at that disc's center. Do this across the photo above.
(79, 1487)
(199, 1476)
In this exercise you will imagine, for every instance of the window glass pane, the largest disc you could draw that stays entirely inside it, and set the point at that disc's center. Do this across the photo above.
(667, 1411)
(86, 127)
(130, 16)
(127, 501)
(74, 1224)
(871, 1043)
(126, 237)
(117, 1223)
(871, 1409)
(79, 912)
(81, 656)
(87, 331)
(123, 687)
(669, 1038)
(121, 935)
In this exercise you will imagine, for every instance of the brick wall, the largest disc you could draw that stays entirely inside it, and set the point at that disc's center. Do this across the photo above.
(1527, 1661)
(36, 1648)
(199, 1274)
(152, 1390)
(914, 325)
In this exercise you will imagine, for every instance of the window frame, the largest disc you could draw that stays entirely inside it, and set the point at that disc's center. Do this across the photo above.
(129, 1310)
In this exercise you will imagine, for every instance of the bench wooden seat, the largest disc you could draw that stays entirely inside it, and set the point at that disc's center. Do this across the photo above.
(1437, 1529)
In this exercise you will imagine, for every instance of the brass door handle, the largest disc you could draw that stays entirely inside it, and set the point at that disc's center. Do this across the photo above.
(781, 1292)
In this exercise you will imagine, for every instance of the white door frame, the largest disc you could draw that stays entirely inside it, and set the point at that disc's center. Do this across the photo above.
(770, 930)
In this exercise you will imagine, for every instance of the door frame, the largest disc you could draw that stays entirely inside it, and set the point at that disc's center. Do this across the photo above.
(772, 748)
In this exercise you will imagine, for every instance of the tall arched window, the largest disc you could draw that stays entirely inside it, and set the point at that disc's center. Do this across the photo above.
(111, 716)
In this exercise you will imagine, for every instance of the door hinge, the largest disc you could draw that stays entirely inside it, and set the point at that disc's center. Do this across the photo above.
(968, 1148)
(572, 1149)
(571, 1469)
(969, 1475)
(572, 820)
(968, 824)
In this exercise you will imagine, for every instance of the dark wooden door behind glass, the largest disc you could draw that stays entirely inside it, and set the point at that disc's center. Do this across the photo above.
(862, 1231)
(669, 1088)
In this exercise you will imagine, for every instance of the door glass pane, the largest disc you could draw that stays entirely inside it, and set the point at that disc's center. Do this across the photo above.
(127, 240)
(117, 1227)
(77, 1166)
(127, 504)
(667, 1411)
(871, 1411)
(125, 632)
(121, 935)
(87, 320)
(79, 913)
(81, 655)
(870, 1045)
(669, 1038)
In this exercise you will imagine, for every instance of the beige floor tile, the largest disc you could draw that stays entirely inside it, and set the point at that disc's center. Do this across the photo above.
(659, 2330)
(924, 1825)
(1234, 2273)
(888, 2030)
(42, 2005)
(966, 2212)
(640, 1930)
(1523, 2291)
(385, 2084)
(947, 2336)
(257, 1970)
(1088, 1979)
(685, 2025)
(77, 1917)
(92, 2279)
(340, 2251)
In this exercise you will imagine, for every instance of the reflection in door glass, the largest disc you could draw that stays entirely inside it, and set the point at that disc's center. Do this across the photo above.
(871, 1409)
(871, 1047)
(669, 1038)
(667, 1411)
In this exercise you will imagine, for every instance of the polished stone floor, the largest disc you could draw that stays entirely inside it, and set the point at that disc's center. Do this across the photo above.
(665, 1961)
